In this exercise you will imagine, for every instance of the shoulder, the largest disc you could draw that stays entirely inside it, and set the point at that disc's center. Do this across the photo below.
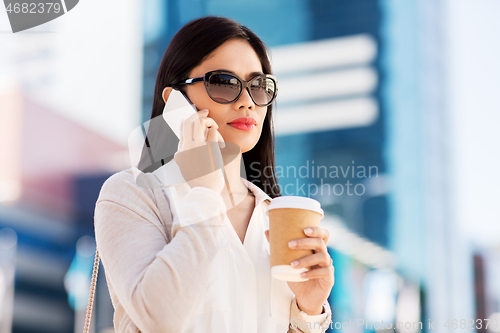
(122, 179)
(130, 189)
(128, 184)
(134, 197)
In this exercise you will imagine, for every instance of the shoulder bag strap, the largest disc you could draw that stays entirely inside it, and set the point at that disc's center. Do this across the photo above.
(93, 284)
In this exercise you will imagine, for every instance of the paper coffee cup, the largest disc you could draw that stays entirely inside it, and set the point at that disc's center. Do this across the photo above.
(288, 217)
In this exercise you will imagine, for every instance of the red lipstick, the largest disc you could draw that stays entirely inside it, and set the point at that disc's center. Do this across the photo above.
(244, 123)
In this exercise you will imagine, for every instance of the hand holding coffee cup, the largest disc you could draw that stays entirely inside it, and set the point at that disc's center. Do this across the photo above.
(289, 216)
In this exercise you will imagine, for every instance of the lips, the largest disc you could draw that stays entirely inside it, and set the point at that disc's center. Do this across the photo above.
(244, 123)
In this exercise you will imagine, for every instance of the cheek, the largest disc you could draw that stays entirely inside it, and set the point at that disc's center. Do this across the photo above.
(198, 96)
(218, 119)
(218, 113)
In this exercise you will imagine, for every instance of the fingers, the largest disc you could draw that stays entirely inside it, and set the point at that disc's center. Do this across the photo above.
(187, 129)
(212, 135)
(220, 139)
(315, 244)
(206, 123)
(319, 273)
(267, 234)
(200, 126)
(195, 130)
(318, 232)
(321, 259)
(316, 240)
(217, 162)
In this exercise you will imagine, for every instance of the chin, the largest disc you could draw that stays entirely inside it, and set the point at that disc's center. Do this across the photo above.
(243, 147)
(245, 144)
(247, 147)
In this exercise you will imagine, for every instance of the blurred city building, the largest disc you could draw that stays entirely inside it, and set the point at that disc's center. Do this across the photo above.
(67, 102)
(51, 172)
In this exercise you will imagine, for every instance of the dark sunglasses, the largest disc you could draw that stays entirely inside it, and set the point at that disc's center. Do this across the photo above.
(225, 87)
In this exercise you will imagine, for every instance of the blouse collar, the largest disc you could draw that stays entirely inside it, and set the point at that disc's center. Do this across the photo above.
(257, 192)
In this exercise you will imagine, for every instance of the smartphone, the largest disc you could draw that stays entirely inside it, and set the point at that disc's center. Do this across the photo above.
(177, 109)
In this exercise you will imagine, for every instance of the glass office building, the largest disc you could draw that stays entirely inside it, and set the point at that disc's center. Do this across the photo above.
(361, 127)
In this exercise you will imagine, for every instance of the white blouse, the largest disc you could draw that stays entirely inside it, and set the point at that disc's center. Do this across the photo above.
(174, 262)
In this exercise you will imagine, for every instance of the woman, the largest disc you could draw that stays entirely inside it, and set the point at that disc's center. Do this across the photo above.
(194, 257)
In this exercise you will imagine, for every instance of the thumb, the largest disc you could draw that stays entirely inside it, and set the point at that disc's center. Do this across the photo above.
(267, 234)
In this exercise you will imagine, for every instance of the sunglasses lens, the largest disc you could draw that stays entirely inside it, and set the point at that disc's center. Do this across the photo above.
(224, 88)
(262, 90)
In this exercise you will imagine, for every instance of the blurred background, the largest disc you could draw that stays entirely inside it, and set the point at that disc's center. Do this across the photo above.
(388, 113)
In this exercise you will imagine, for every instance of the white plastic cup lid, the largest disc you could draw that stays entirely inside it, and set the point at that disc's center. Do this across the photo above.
(296, 202)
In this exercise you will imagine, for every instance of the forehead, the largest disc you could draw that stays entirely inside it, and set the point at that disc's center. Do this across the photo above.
(235, 55)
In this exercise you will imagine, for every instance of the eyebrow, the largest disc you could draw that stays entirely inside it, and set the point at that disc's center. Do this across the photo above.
(255, 73)
(251, 75)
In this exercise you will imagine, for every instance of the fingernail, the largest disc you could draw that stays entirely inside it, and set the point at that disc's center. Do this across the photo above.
(222, 144)
(294, 263)
(204, 110)
(308, 231)
(303, 274)
(292, 243)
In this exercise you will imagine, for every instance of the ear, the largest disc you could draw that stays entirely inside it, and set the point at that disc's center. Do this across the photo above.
(166, 92)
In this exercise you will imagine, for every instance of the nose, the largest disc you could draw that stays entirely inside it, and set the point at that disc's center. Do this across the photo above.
(244, 101)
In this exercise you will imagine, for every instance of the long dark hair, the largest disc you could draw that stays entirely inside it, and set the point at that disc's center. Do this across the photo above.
(187, 49)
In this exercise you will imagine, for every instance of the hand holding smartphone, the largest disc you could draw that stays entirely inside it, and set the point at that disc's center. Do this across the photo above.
(196, 156)
(177, 109)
